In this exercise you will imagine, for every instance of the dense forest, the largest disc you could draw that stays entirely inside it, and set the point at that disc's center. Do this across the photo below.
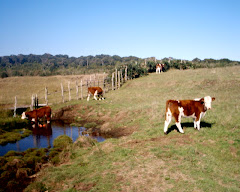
(47, 64)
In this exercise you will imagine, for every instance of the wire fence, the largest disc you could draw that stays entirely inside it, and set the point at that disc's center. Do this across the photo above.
(74, 89)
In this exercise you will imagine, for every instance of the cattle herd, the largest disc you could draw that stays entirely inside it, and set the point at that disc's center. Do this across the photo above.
(174, 108)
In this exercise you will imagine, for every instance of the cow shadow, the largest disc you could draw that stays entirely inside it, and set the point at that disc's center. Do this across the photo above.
(203, 124)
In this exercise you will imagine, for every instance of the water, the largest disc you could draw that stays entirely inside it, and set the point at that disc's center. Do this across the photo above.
(43, 137)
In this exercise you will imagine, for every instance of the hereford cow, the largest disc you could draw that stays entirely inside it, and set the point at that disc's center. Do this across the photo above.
(186, 108)
(38, 113)
(159, 68)
(95, 91)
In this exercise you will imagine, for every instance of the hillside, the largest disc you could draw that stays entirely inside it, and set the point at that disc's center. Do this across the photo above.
(147, 160)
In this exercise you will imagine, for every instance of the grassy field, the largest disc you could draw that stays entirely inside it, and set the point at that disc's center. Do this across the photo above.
(25, 87)
(147, 160)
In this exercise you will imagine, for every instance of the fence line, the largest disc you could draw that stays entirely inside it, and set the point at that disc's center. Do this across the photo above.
(106, 83)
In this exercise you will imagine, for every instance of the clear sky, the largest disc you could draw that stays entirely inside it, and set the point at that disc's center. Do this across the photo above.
(183, 29)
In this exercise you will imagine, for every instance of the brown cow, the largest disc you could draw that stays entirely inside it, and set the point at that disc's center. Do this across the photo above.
(38, 113)
(159, 67)
(95, 91)
(186, 108)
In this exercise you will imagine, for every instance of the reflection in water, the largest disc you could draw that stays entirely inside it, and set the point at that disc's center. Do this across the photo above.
(44, 134)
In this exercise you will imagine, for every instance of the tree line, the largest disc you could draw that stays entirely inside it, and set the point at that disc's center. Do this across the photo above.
(47, 64)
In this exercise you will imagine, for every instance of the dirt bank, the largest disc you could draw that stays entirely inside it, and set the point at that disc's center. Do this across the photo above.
(104, 123)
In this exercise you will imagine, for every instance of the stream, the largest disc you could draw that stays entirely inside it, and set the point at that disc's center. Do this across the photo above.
(44, 137)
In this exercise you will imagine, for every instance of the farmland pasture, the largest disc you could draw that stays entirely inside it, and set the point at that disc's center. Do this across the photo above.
(147, 160)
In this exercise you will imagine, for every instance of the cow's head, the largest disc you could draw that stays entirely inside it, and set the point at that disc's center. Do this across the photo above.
(208, 101)
(24, 116)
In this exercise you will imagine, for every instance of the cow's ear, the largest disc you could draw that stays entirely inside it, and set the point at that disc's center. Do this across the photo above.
(202, 100)
(213, 98)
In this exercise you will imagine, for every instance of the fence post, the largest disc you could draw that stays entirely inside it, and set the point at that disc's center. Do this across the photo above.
(112, 81)
(126, 74)
(77, 90)
(116, 79)
(46, 95)
(36, 102)
(32, 102)
(15, 107)
(81, 89)
(121, 77)
(69, 91)
(62, 92)
(119, 80)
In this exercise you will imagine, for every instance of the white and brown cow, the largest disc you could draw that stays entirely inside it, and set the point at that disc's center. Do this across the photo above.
(95, 91)
(186, 108)
(159, 68)
(38, 113)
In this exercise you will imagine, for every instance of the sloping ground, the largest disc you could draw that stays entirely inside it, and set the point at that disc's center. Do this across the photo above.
(147, 160)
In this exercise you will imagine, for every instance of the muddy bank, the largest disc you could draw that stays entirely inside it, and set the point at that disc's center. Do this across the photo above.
(100, 122)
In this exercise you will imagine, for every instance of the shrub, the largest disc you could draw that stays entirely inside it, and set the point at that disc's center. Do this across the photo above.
(62, 141)
(37, 187)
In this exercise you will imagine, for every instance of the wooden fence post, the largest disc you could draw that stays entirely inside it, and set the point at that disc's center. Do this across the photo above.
(119, 80)
(36, 102)
(81, 89)
(62, 92)
(121, 77)
(77, 90)
(126, 74)
(15, 107)
(112, 81)
(69, 91)
(46, 95)
(32, 102)
(116, 79)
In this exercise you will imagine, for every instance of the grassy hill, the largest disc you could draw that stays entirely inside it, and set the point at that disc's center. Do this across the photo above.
(147, 160)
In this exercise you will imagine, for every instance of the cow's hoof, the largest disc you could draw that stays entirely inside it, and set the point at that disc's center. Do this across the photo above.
(165, 133)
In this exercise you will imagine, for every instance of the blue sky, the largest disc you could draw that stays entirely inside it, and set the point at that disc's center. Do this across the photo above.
(183, 29)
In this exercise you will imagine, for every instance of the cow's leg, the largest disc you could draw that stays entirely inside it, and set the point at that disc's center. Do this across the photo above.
(168, 119)
(95, 94)
(197, 121)
(48, 118)
(89, 94)
(178, 122)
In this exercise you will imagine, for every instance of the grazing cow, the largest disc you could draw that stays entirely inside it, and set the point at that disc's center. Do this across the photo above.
(95, 91)
(186, 108)
(38, 113)
(159, 68)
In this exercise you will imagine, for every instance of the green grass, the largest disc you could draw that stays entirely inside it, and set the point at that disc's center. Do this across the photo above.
(147, 160)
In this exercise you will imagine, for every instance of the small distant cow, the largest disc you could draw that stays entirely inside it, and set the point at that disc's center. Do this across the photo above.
(95, 91)
(159, 68)
(186, 108)
(38, 113)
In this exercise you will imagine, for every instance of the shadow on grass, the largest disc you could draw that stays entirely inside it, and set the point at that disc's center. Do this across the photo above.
(203, 124)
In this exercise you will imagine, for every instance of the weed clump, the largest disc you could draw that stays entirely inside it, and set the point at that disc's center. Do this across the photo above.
(16, 167)
(62, 142)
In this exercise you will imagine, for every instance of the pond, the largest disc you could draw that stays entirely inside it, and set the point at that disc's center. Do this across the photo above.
(43, 137)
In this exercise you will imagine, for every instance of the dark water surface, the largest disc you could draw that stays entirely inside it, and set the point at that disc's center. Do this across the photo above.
(43, 137)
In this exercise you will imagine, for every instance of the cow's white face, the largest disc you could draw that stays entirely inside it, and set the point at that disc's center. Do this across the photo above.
(24, 116)
(208, 102)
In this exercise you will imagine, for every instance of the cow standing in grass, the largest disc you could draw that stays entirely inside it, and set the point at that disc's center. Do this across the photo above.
(96, 92)
(159, 68)
(38, 113)
(186, 108)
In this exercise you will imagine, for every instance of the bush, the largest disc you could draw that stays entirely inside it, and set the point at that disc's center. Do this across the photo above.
(37, 187)
(62, 142)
